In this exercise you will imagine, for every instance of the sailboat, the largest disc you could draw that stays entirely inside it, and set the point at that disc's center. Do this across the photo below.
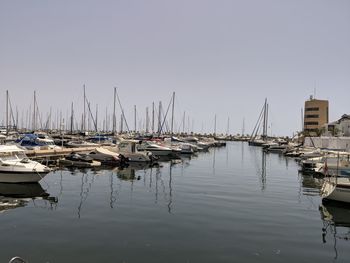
(263, 118)
(336, 188)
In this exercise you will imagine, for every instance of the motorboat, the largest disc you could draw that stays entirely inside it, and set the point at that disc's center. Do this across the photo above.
(129, 149)
(33, 141)
(154, 148)
(78, 160)
(179, 147)
(203, 146)
(15, 167)
(108, 157)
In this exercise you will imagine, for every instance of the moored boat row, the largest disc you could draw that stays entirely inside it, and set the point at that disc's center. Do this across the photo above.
(16, 167)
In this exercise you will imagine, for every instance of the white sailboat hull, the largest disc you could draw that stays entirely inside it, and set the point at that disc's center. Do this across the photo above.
(337, 190)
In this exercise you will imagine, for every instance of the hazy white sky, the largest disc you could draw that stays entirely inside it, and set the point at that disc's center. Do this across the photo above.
(220, 57)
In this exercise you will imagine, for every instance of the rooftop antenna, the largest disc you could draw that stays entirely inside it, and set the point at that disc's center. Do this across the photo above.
(315, 90)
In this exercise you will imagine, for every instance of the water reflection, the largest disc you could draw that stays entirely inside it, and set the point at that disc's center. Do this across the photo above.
(153, 178)
(260, 165)
(263, 170)
(170, 189)
(310, 184)
(19, 195)
(85, 188)
(336, 223)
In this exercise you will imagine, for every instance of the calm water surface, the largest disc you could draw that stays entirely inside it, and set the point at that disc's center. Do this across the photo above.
(231, 204)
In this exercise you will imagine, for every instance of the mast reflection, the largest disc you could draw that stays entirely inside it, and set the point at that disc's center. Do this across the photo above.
(336, 223)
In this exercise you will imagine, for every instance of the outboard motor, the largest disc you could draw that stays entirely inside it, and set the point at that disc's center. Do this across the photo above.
(123, 160)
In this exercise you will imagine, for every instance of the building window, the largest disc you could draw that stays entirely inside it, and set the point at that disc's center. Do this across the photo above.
(312, 116)
(311, 123)
(312, 109)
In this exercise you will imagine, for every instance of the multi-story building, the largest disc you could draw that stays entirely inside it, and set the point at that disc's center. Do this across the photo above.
(315, 116)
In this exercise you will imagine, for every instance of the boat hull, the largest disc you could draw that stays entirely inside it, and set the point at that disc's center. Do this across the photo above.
(80, 164)
(21, 177)
(160, 152)
(338, 190)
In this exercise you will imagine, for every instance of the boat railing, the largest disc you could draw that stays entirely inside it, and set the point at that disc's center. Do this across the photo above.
(17, 260)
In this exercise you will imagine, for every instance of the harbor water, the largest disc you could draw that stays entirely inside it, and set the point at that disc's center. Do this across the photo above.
(231, 204)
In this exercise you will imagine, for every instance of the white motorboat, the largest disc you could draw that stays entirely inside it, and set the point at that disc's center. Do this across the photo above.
(128, 148)
(37, 141)
(337, 189)
(187, 148)
(108, 157)
(155, 149)
(15, 167)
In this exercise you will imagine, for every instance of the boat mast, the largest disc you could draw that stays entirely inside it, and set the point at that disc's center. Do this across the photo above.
(123, 114)
(34, 112)
(114, 117)
(183, 122)
(106, 126)
(243, 127)
(172, 114)
(121, 122)
(7, 112)
(96, 123)
(159, 116)
(84, 113)
(215, 125)
(266, 119)
(71, 119)
(228, 126)
(152, 117)
(264, 135)
(135, 118)
(147, 120)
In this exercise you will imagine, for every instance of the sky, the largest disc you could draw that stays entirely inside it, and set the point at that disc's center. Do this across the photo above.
(220, 57)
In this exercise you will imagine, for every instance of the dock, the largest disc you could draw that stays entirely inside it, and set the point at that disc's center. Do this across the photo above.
(56, 153)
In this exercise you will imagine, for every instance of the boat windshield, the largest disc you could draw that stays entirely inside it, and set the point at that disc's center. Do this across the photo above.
(8, 156)
(20, 155)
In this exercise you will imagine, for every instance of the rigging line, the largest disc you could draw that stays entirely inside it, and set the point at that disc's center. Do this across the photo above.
(11, 112)
(161, 127)
(47, 121)
(121, 107)
(92, 116)
(38, 112)
(256, 125)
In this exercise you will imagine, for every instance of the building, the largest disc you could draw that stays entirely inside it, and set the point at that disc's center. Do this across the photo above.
(315, 116)
(340, 127)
